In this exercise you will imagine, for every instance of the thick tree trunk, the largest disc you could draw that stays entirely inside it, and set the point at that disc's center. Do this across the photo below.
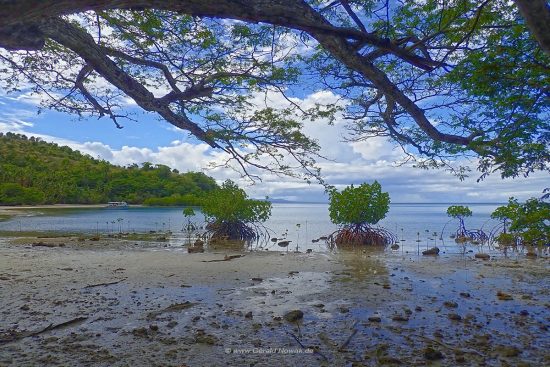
(537, 17)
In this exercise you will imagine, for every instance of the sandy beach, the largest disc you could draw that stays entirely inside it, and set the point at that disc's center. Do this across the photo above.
(9, 211)
(111, 304)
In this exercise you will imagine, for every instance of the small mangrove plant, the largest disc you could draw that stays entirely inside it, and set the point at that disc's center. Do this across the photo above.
(231, 216)
(462, 234)
(189, 227)
(357, 210)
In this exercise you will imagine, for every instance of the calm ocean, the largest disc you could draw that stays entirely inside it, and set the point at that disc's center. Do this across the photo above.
(301, 222)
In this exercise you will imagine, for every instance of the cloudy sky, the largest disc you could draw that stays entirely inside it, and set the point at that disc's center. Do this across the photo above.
(152, 140)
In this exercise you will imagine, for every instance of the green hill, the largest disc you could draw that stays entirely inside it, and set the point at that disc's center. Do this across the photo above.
(35, 172)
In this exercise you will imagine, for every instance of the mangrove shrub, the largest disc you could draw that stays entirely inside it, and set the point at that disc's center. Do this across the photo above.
(232, 215)
(357, 209)
(529, 222)
(462, 234)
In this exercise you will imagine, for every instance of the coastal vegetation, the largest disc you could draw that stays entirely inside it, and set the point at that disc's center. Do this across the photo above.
(459, 212)
(524, 223)
(357, 210)
(463, 234)
(458, 85)
(232, 216)
(33, 171)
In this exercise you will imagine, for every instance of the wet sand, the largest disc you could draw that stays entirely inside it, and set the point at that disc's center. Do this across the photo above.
(111, 304)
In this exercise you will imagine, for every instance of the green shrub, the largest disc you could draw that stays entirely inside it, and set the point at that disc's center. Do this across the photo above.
(232, 215)
(459, 211)
(356, 209)
(364, 204)
(529, 221)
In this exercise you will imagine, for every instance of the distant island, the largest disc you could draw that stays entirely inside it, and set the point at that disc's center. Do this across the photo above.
(34, 172)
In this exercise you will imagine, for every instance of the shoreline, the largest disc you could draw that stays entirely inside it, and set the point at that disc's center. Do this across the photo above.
(9, 211)
(59, 206)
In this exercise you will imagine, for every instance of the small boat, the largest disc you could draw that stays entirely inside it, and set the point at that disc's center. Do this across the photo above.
(117, 204)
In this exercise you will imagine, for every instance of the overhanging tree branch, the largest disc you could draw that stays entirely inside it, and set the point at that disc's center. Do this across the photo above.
(83, 45)
(455, 97)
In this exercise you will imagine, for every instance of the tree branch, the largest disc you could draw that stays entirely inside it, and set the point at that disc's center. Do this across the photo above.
(83, 45)
(353, 16)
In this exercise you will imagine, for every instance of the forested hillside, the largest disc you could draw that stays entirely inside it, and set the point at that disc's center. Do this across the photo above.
(36, 172)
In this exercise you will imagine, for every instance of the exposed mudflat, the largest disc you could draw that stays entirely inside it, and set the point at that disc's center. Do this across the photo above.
(112, 304)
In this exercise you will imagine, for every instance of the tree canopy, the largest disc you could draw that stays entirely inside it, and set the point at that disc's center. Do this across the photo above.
(529, 221)
(459, 211)
(364, 204)
(440, 79)
(231, 204)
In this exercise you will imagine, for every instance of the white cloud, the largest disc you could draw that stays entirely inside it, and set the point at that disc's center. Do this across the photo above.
(15, 120)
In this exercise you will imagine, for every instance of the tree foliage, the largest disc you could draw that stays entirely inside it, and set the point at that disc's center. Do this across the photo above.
(231, 204)
(459, 212)
(188, 212)
(529, 221)
(36, 172)
(504, 214)
(440, 79)
(232, 215)
(356, 210)
(364, 204)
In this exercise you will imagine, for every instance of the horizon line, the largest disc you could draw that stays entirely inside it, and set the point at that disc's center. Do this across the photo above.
(283, 201)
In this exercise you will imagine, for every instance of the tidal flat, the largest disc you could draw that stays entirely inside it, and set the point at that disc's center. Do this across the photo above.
(108, 303)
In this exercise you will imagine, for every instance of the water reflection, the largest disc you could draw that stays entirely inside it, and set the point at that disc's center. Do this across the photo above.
(417, 226)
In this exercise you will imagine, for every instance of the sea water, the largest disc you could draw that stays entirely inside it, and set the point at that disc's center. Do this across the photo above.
(415, 225)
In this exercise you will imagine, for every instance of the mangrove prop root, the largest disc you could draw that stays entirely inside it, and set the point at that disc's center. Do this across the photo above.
(231, 231)
(465, 235)
(235, 234)
(360, 235)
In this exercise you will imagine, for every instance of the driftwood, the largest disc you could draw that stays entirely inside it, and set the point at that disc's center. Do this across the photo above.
(43, 244)
(226, 258)
(102, 284)
(315, 351)
(16, 336)
(348, 340)
(453, 348)
(172, 308)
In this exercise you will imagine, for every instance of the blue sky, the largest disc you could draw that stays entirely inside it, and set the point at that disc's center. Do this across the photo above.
(156, 141)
